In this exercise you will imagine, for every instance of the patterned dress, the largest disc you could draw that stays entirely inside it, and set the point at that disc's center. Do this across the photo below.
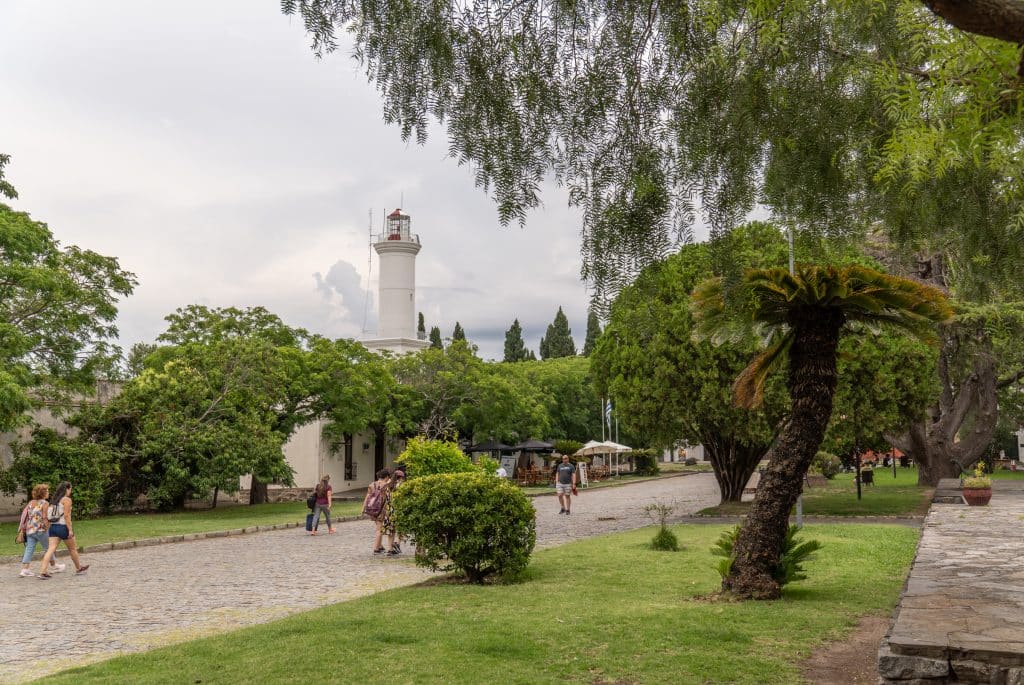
(388, 513)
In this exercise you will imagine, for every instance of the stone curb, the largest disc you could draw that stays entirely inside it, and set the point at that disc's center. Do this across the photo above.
(170, 539)
(619, 485)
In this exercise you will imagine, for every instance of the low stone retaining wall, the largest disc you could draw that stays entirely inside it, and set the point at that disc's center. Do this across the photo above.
(169, 539)
(960, 618)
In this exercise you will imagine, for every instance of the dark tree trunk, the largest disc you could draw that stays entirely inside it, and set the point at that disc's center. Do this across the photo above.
(937, 443)
(812, 384)
(379, 437)
(1002, 19)
(216, 492)
(733, 463)
(257, 491)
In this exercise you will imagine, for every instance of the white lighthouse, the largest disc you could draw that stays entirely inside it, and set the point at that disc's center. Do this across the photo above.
(397, 248)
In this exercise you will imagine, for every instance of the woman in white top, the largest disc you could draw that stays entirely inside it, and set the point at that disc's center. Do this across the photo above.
(59, 515)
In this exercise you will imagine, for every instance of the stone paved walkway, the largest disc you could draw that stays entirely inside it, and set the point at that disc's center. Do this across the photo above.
(961, 616)
(141, 598)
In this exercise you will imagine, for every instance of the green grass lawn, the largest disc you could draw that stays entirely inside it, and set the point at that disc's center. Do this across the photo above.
(900, 496)
(603, 610)
(104, 529)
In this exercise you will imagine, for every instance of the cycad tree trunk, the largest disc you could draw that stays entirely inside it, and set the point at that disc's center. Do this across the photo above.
(812, 385)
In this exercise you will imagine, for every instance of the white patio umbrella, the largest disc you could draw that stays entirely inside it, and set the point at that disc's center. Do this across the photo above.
(616, 449)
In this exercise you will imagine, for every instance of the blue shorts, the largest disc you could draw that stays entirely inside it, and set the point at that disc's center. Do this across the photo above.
(59, 530)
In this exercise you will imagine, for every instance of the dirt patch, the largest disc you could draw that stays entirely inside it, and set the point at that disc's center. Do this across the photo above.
(853, 661)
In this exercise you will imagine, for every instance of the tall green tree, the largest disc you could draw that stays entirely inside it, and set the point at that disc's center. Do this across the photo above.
(421, 328)
(57, 309)
(804, 316)
(593, 333)
(435, 338)
(196, 424)
(515, 348)
(202, 326)
(558, 342)
(458, 333)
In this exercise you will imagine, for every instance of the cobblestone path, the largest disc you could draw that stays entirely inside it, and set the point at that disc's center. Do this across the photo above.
(141, 598)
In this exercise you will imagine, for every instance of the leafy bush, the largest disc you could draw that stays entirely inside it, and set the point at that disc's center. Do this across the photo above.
(828, 465)
(423, 457)
(789, 569)
(471, 522)
(645, 462)
(665, 541)
(569, 447)
(51, 458)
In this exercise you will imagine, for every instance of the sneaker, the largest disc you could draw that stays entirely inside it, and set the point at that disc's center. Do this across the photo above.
(82, 570)
(44, 576)
(57, 568)
(567, 512)
(562, 510)
(393, 553)
(25, 573)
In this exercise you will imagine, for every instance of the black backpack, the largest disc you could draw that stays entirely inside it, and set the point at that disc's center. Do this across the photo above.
(311, 500)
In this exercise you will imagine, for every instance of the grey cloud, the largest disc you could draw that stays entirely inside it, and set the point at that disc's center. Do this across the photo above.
(343, 289)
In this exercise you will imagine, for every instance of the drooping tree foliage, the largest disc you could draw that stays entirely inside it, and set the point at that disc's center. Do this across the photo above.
(834, 114)
(803, 317)
(557, 341)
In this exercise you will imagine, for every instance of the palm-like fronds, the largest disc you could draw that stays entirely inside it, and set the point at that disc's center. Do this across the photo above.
(776, 304)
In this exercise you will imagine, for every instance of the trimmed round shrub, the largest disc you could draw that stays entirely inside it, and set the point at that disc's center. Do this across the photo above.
(645, 462)
(470, 522)
(423, 457)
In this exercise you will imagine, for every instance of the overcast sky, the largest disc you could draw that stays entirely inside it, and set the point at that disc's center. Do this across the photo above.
(203, 145)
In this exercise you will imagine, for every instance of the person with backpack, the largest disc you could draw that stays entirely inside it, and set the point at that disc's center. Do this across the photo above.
(324, 493)
(373, 506)
(59, 516)
(34, 528)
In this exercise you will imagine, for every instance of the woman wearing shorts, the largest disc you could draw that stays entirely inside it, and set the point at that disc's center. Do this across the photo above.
(61, 528)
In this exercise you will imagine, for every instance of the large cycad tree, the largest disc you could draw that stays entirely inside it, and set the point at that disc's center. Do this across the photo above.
(803, 316)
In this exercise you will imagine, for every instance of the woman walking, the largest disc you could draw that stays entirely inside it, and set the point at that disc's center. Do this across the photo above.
(324, 492)
(373, 506)
(33, 529)
(61, 528)
(387, 525)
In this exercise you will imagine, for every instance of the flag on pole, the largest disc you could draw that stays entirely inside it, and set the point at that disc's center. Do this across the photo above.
(608, 414)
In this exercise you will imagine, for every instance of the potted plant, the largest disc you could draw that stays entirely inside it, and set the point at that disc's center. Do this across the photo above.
(977, 489)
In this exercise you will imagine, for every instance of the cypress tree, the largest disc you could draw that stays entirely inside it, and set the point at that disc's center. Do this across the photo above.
(458, 333)
(593, 333)
(421, 329)
(435, 338)
(515, 350)
(558, 341)
(531, 356)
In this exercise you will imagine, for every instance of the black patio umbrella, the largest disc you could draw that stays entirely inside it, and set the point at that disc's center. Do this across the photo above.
(534, 446)
(490, 446)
